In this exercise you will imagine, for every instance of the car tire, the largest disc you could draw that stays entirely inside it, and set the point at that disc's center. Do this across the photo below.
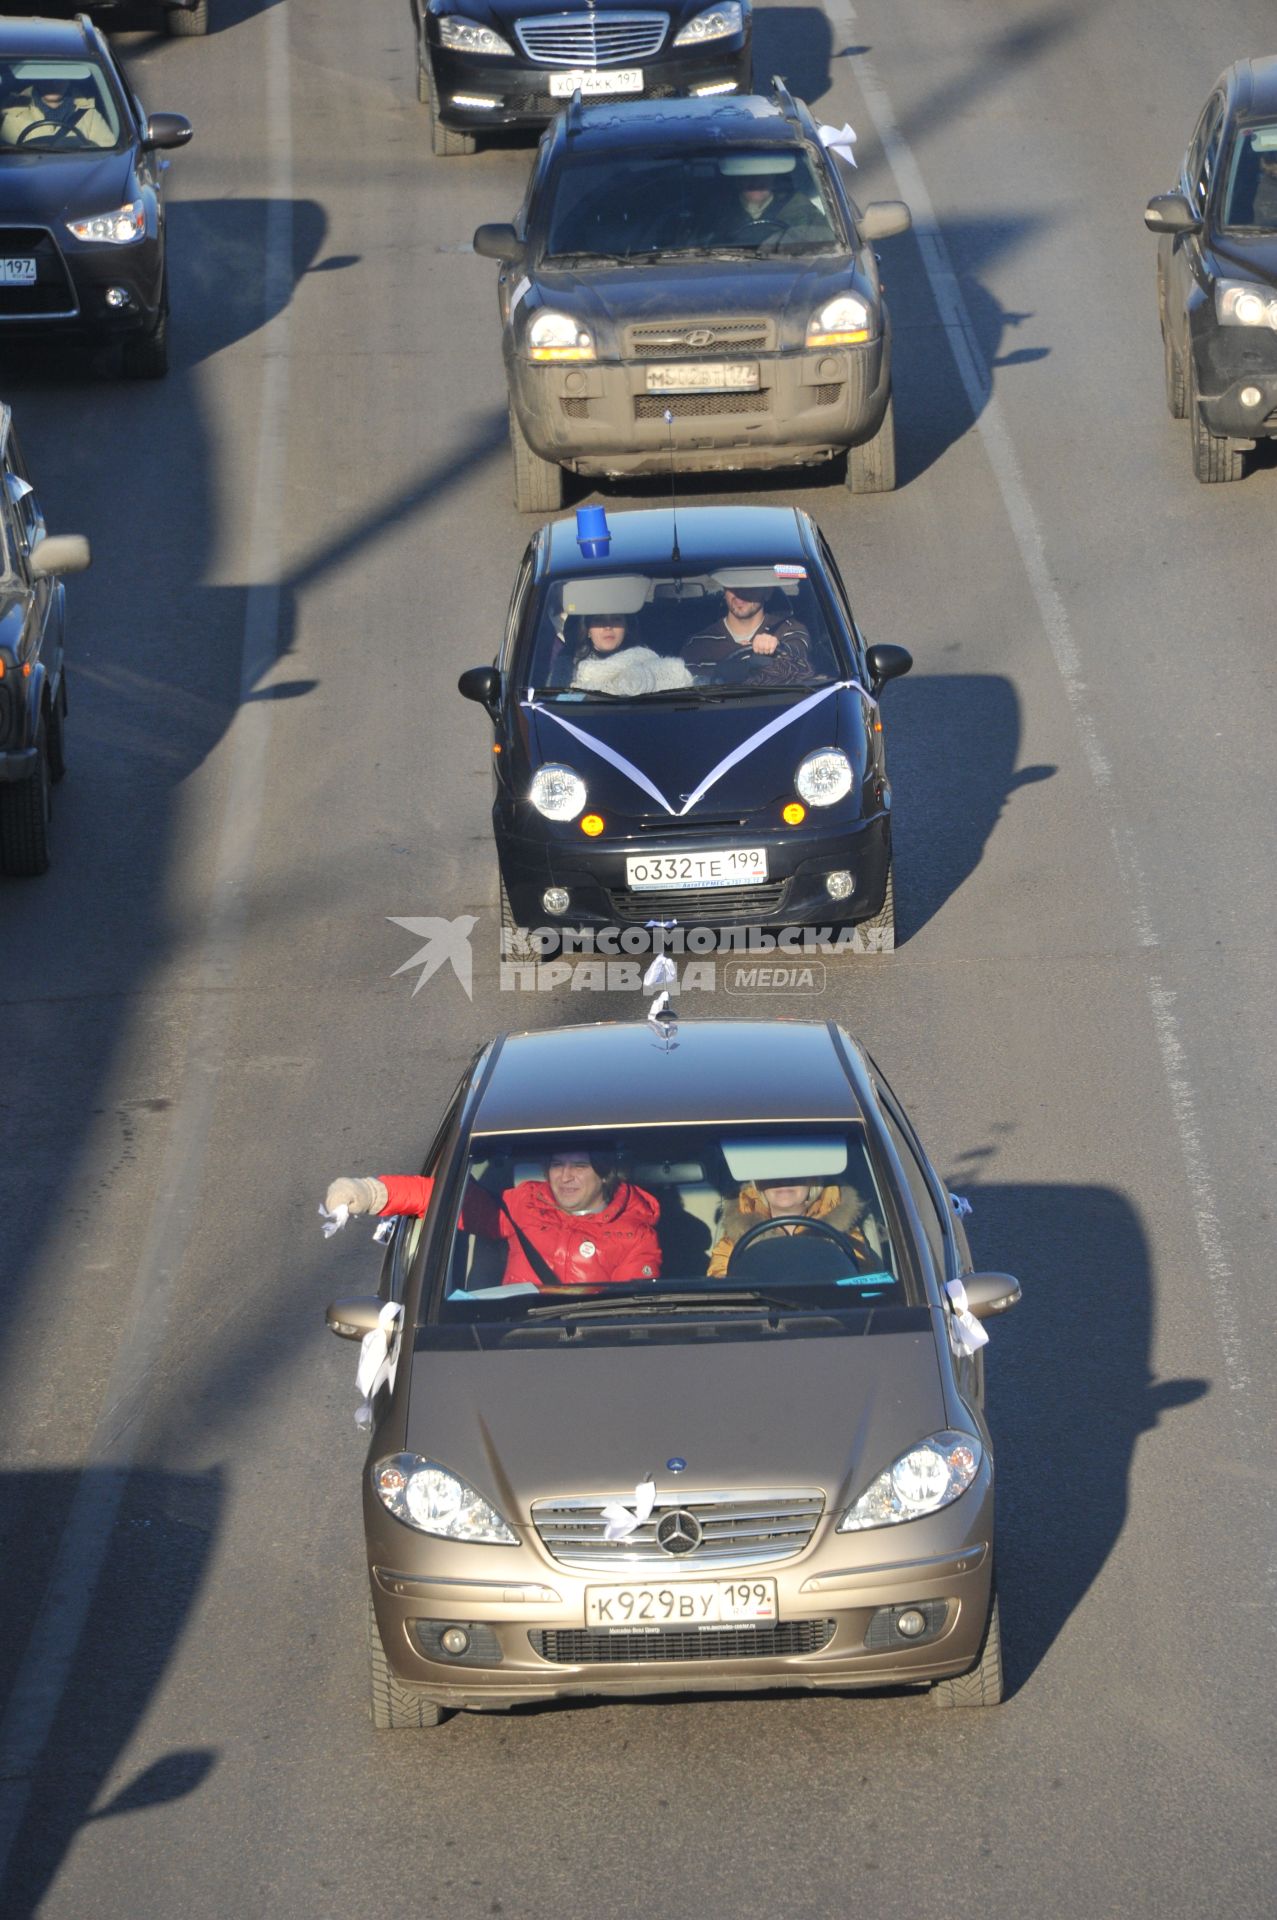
(516, 941)
(871, 467)
(395, 1704)
(26, 808)
(878, 933)
(146, 354)
(539, 485)
(57, 733)
(1176, 385)
(982, 1685)
(1216, 458)
(187, 23)
(445, 142)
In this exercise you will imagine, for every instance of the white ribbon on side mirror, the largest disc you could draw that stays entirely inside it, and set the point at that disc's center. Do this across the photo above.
(839, 140)
(966, 1335)
(334, 1221)
(378, 1352)
(621, 1522)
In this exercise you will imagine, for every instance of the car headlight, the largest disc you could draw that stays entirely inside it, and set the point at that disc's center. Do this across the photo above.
(467, 36)
(557, 336)
(930, 1476)
(824, 778)
(1239, 303)
(840, 323)
(425, 1495)
(557, 792)
(716, 23)
(115, 229)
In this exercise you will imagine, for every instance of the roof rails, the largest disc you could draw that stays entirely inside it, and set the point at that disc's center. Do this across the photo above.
(785, 100)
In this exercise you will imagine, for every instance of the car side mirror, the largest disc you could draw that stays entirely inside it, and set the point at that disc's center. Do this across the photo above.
(352, 1319)
(883, 219)
(500, 242)
(59, 553)
(166, 130)
(484, 685)
(1170, 213)
(887, 663)
(990, 1293)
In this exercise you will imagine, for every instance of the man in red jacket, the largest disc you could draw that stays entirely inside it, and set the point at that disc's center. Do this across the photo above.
(579, 1227)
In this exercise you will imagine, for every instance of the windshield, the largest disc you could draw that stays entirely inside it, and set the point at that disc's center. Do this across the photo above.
(1251, 198)
(770, 201)
(56, 106)
(674, 635)
(715, 1218)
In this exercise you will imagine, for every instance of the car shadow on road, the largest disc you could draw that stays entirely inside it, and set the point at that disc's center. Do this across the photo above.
(155, 1566)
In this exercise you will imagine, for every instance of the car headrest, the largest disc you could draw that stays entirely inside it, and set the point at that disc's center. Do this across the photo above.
(524, 1170)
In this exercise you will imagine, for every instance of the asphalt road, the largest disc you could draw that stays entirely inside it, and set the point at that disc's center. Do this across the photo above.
(301, 537)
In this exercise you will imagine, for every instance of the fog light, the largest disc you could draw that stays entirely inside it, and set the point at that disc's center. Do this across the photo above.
(456, 1640)
(911, 1623)
(117, 296)
(1250, 396)
(592, 823)
(719, 86)
(840, 885)
(474, 100)
(555, 899)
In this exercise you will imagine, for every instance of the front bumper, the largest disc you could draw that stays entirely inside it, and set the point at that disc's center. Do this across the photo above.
(836, 1606)
(70, 289)
(600, 419)
(1226, 362)
(794, 894)
(519, 92)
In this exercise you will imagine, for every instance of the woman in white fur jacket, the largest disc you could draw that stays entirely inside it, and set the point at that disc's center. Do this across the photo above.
(608, 661)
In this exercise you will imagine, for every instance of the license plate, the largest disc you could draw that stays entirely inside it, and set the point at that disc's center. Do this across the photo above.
(734, 867)
(17, 273)
(591, 80)
(683, 1603)
(704, 376)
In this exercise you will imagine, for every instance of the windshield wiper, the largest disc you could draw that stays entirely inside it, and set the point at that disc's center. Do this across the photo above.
(751, 1300)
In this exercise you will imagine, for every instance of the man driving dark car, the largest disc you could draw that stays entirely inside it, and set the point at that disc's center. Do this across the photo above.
(752, 647)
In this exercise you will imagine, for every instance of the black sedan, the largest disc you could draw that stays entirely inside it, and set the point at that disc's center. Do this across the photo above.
(81, 204)
(688, 730)
(692, 283)
(1217, 273)
(515, 63)
(33, 686)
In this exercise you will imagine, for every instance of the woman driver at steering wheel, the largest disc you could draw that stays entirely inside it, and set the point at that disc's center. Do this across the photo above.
(791, 1201)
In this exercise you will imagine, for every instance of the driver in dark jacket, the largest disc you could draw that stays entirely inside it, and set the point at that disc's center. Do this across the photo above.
(749, 647)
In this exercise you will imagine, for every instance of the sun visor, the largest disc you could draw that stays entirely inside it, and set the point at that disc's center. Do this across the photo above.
(795, 1157)
(740, 578)
(606, 593)
(1264, 140)
(737, 165)
(68, 72)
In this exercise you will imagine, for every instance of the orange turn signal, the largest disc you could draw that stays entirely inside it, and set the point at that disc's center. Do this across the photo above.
(592, 823)
(794, 814)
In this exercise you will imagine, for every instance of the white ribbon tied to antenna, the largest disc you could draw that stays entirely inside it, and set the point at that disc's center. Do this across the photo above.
(839, 140)
(965, 1332)
(621, 1521)
(334, 1221)
(661, 973)
(378, 1352)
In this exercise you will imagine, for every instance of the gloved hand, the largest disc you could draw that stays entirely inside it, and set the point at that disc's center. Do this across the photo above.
(364, 1195)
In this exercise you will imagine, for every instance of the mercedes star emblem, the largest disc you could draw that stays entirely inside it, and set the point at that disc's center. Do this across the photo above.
(679, 1532)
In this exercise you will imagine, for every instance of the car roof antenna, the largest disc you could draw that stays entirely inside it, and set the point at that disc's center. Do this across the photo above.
(668, 417)
(785, 100)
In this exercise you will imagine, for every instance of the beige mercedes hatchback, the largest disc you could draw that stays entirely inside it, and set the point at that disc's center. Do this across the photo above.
(676, 1382)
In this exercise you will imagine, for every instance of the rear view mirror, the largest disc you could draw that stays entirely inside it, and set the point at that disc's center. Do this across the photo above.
(352, 1319)
(498, 242)
(60, 553)
(885, 218)
(990, 1293)
(484, 685)
(887, 663)
(1170, 213)
(166, 130)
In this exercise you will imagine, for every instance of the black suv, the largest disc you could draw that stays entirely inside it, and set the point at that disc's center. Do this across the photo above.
(33, 689)
(516, 63)
(692, 283)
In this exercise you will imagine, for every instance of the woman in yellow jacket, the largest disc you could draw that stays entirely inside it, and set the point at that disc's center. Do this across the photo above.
(760, 1200)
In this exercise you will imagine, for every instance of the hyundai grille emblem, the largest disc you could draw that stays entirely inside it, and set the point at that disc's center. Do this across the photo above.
(678, 1532)
(700, 336)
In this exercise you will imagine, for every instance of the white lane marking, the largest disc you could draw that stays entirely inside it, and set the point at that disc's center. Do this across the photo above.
(1027, 533)
(86, 1538)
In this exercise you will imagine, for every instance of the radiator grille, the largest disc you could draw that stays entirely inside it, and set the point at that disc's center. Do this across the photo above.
(737, 1528)
(713, 905)
(581, 1648)
(591, 40)
(713, 339)
(50, 293)
(699, 406)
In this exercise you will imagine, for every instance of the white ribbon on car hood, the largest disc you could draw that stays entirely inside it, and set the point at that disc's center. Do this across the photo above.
(737, 754)
(378, 1353)
(966, 1335)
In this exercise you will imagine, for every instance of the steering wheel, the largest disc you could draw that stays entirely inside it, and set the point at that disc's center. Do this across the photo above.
(841, 1240)
(51, 129)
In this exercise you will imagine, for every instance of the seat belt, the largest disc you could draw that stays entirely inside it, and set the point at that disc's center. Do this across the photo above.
(537, 1261)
